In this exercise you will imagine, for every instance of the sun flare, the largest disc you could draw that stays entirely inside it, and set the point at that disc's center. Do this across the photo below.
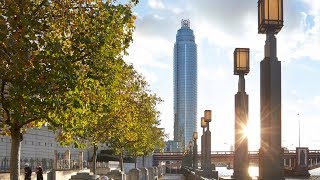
(252, 131)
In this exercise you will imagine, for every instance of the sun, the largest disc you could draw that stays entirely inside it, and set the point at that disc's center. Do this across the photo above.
(252, 131)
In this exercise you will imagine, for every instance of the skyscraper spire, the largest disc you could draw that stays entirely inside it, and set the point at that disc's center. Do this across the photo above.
(185, 23)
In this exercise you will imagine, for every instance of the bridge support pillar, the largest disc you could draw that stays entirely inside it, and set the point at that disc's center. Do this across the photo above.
(301, 166)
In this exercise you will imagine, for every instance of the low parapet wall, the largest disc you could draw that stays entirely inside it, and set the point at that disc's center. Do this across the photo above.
(6, 176)
(189, 173)
(47, 175)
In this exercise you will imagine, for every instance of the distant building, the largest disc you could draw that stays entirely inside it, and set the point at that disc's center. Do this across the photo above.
(185, 85)
(172, 146)
(38, 146)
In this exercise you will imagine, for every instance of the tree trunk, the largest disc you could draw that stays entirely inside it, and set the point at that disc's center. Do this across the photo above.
(94, 159)
(121, 160)
(143, 161)
(135, 162)
(15, 153)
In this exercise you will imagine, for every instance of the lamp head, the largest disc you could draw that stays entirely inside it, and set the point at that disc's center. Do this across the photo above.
(207, 115)
(203, 123)
(241, 61)
(195, 135)
(270, 16)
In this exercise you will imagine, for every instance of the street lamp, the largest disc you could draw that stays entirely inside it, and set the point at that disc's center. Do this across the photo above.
(299, 127)
(270, 15)
(270, 22)
(195, 150)
(195, 135)
(203, 147)
(241, 158)
(207, 139)
(241, 61)
(207, 116)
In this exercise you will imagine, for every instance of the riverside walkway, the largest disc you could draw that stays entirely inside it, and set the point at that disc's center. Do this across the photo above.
(172, 177)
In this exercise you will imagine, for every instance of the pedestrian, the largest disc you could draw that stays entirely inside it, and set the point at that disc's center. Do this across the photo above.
(27, 172)
(39, 173)
(104, 178)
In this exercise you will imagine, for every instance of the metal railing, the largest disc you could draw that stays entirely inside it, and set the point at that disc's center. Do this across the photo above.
(70, 164)
(99, 164)
(46, 164)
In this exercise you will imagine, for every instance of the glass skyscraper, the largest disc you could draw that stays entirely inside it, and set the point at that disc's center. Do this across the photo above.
(185, 85)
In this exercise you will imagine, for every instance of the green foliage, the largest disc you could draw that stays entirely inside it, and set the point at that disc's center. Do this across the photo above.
(45, 44)
(59, 63)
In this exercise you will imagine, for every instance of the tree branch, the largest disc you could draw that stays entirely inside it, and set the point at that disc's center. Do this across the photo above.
(7, 120)
(29, 121)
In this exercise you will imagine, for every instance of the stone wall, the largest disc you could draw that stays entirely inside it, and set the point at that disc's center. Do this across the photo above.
(59, 175)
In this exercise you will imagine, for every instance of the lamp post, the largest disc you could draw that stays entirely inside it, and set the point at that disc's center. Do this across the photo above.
(207, 160)
(190, 156)
(299, 127)
(241, 158)
(195, 150)
(203, 152)
(270, 22)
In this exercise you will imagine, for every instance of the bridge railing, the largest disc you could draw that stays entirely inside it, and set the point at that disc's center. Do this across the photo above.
(168, 153)
(314, 151)
(286, 152)
(222, 152)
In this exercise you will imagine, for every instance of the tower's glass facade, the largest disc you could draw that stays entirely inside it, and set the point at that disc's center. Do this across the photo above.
(185, 85)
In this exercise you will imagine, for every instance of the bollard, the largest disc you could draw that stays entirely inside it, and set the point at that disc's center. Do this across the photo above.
(155, 172)
(134, 174)
(159, 171)
(116, 175)
(144, 173)
(151, 173)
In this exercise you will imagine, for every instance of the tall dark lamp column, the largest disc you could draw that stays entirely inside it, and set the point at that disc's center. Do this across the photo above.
(270, 22)
(241, 158)
(203, 152)
(195, 150)
(207, 161)
(190, 155)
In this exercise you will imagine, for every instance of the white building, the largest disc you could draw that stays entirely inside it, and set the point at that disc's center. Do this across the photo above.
(38, 147)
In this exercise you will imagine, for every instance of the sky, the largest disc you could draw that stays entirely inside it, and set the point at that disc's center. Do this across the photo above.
(220, 26)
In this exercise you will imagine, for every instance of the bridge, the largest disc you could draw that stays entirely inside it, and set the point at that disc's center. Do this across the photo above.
(223, 158)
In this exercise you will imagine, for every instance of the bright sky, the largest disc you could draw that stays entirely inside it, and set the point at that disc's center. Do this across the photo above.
(220, 26)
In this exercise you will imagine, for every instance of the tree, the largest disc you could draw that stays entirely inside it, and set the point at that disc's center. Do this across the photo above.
(43, 47)
(92, 107)
(117, 109)
(136, 119)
